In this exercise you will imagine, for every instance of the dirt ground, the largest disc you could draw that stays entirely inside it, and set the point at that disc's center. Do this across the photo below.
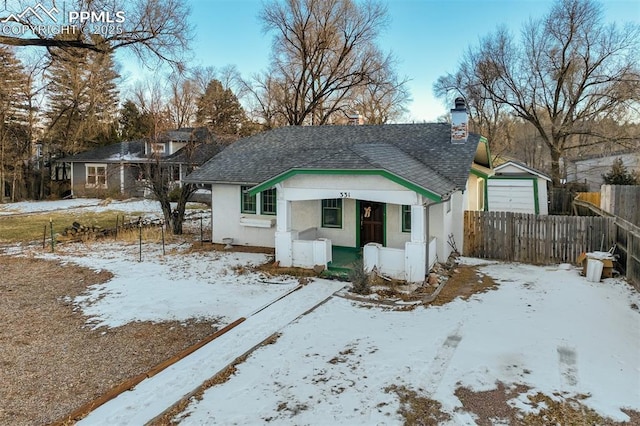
(50, 362)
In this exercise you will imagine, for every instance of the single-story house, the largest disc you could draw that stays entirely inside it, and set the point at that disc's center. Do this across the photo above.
(516, 187)
(394, 194)
(119, 169)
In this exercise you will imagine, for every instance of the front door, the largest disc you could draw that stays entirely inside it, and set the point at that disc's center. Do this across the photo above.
(371, 222)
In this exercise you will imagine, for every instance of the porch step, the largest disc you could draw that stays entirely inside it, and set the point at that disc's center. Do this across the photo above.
(336, 272)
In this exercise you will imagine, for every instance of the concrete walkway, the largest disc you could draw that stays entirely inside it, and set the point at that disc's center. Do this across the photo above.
(154, 395)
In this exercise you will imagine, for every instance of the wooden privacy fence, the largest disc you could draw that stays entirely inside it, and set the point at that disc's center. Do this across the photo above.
(536, 239)
(628, 246)
(622, 201)
(589, 197)
(627, 242)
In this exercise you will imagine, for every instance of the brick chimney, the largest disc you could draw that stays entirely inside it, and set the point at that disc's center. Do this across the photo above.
(459, 122)
(355, 119)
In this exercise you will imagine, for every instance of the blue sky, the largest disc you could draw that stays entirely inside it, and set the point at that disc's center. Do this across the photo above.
(428, 37)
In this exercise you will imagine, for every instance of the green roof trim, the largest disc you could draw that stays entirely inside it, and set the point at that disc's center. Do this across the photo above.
(369, 172)
(486, 142)
(478, 173)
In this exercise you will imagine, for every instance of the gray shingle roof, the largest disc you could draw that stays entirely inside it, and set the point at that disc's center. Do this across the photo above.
(419, 153)
(198, 154)
(114, 152)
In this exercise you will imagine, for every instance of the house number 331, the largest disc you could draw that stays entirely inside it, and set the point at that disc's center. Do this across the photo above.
(345, 195)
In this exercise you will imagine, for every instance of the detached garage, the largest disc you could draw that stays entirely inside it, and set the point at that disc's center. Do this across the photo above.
(517, 188)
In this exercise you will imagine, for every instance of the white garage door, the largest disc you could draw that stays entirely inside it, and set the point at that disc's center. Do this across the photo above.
(511, 195)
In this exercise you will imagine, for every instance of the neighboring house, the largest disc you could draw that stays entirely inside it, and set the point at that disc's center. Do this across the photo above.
(589, 170)
(119, 169)
(396, 191)
(518, 188)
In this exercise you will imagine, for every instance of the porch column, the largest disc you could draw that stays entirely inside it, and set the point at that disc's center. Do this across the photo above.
(283, 237)
(418, 224)
(415, 266)
(283, 217)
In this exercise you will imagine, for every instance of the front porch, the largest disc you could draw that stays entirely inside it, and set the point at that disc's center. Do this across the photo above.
(373, 218)
(310, 248)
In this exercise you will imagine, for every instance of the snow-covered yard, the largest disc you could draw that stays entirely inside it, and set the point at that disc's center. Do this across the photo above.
(547, 328)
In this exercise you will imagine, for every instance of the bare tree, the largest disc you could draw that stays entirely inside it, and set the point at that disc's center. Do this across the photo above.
(487, 117)
(567, 71)
(152, 29)
(181, 104)
(157, 172)
(383, 99)
(322, 51)
(265, 100)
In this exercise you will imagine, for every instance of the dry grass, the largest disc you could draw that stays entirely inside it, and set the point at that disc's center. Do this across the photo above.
(492, 406)
(418, 410)
(31, 227)
(464, 282)
(50, 363)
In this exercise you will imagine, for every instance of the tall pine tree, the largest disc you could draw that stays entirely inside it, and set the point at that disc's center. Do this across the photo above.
(220, 111)
(134, 124)
(15, 144)
(83, 100)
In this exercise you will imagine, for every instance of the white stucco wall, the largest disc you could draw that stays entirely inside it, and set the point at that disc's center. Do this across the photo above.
(458, 201)
(345, 236)
(395, 237)
(474, 194)
(305, 214)
(441, 225)
(225, 202)
(360, 187)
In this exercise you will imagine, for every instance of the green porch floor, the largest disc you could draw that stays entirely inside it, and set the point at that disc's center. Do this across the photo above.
(344, 259)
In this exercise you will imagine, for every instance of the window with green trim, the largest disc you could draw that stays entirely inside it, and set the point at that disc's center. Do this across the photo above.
(332, 213)
(269, 201)
(248, 202)
(406, 218)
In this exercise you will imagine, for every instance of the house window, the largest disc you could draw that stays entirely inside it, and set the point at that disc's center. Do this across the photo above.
(406, 218)
(96, 175)
(248, 201)
(332, 213)
(268, 201)
(157, 148)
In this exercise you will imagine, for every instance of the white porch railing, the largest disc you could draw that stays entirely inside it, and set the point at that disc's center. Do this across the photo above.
(409, 264)
(309, 251)
(387, 261)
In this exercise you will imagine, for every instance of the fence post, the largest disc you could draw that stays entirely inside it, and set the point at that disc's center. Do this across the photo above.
(162, 230)
(52, 238)
(140, 241)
